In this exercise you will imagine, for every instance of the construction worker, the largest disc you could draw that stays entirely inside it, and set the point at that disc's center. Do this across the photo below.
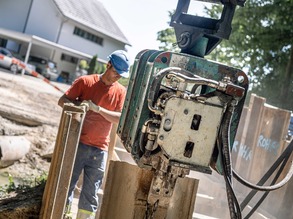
(104, 97)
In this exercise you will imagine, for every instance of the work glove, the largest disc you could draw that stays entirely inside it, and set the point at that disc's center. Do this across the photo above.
(90, 106)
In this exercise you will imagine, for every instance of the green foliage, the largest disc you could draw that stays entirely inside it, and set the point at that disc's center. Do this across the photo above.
(96, 67)
(11, 185)
(167, 38)
(22, 185)
(83, 64)
(261, 45)
(101, 68)
(125, 81)
(93, 65)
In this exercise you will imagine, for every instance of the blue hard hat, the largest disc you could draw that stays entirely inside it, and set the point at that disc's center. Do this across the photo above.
(120, 61)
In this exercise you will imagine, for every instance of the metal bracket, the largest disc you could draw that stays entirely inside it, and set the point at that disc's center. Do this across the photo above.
(200, 35)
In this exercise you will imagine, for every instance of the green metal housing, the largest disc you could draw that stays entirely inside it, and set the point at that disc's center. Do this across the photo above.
(146, 65)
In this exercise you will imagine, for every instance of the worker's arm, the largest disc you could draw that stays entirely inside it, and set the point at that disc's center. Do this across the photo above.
(64, 99)
(111, 116)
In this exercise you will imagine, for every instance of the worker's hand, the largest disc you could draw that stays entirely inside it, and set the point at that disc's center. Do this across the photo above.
(90, 106)
(85, 104)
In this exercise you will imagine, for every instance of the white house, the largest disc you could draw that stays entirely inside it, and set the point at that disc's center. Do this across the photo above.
(62, 30)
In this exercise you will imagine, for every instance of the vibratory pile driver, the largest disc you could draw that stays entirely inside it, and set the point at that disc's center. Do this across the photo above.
(181, 110)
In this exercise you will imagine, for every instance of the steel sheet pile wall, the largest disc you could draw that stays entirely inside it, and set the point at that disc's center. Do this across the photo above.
(126, 191)
(260, 140)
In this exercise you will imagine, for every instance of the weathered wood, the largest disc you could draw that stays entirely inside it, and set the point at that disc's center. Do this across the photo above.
(126, 192)
(55, 194)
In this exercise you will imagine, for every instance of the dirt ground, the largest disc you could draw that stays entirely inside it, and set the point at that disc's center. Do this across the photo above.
(29, 108)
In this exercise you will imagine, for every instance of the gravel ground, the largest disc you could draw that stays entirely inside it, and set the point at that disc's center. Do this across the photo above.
(28, 108)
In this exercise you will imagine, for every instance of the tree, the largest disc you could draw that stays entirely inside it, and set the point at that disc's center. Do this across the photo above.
(101, 68)
(167, 38)
(261, 45)
(93, 65)
(83, 64)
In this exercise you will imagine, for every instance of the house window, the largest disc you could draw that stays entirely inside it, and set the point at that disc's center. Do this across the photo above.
(89, 36)
(3, 42)
(68, 58)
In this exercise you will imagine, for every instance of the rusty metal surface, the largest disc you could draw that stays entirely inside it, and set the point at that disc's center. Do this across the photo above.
(128, 187)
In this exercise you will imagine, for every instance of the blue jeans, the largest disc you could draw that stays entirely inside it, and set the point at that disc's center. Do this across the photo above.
(92, 161)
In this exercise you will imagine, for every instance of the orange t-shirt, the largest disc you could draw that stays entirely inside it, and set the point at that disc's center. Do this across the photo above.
(96, 129)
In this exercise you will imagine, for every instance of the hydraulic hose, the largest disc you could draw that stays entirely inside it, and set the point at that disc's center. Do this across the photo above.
(253, 192)
(180, 73)
(225, 155)
(155, 85)
(266, 188)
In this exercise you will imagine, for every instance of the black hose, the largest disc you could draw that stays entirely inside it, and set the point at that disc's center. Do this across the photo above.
(286, 154)
(265, 188)
(226, 162)
(224, 149)
(231, 197)
(267, 192)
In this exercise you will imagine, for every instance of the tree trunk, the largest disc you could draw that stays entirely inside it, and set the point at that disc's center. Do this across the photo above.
(287, 81)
